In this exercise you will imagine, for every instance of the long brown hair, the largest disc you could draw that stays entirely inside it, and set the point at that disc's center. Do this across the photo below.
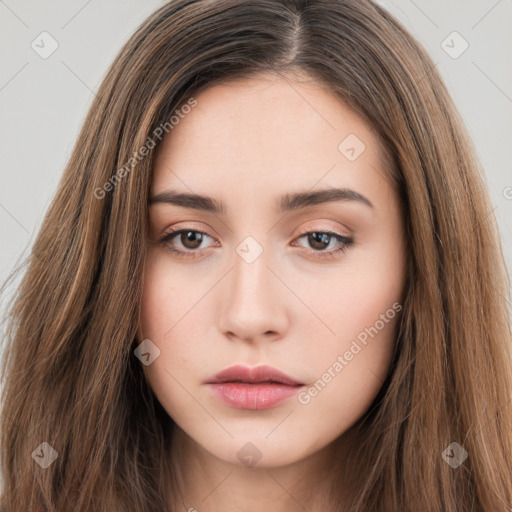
(71, 379)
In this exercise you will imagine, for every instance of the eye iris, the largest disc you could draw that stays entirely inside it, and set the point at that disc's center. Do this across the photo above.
(191, 236)
(319, 238)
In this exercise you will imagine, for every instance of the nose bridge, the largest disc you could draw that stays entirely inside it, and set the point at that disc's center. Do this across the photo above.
(250, 277)
(251, 305)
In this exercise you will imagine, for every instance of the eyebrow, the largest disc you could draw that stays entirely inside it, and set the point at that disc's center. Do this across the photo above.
(287, 202)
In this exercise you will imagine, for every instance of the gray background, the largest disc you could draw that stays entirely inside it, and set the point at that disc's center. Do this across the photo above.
(43, 102)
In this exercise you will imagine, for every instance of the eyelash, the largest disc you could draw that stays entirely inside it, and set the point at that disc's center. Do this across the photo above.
(345, 241)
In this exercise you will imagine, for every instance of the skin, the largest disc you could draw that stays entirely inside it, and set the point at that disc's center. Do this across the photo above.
(246, 143)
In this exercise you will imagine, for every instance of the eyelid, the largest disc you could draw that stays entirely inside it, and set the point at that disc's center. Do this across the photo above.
(323, 228)
(190, 225)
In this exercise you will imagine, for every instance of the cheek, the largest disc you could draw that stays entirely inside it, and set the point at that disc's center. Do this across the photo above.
(170, 297)
(357, 305)
(157, 319)
(157, 293)
(361, 306)
(170, 309)
(347, 374)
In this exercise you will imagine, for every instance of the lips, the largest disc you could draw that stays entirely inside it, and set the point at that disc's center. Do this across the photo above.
(258, 375)
(257, 388)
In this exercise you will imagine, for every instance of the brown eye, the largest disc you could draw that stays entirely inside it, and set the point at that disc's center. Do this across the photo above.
(319, 240)
(187, 242)
(191, 239)
(184, 242)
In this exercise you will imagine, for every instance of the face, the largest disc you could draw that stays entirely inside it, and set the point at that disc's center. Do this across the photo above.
(308, 284)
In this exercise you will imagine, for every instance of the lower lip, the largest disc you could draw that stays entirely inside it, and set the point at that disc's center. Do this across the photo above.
(253, 396)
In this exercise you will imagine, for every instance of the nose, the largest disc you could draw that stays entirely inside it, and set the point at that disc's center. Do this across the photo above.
(253, 301)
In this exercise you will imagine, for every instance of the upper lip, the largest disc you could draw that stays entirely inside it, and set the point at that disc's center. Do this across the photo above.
(258, 374)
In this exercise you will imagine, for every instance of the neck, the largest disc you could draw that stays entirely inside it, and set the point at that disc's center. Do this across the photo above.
(209, 484)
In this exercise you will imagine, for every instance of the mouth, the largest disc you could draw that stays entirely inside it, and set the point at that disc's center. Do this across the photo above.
(256, 388)
(257, 375)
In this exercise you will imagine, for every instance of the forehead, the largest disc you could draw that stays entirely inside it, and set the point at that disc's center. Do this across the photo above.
(270, 132)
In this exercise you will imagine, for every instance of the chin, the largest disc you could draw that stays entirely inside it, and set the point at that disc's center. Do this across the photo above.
(258, 452)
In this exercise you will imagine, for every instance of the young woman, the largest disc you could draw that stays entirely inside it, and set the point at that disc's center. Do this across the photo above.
(270, 280)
